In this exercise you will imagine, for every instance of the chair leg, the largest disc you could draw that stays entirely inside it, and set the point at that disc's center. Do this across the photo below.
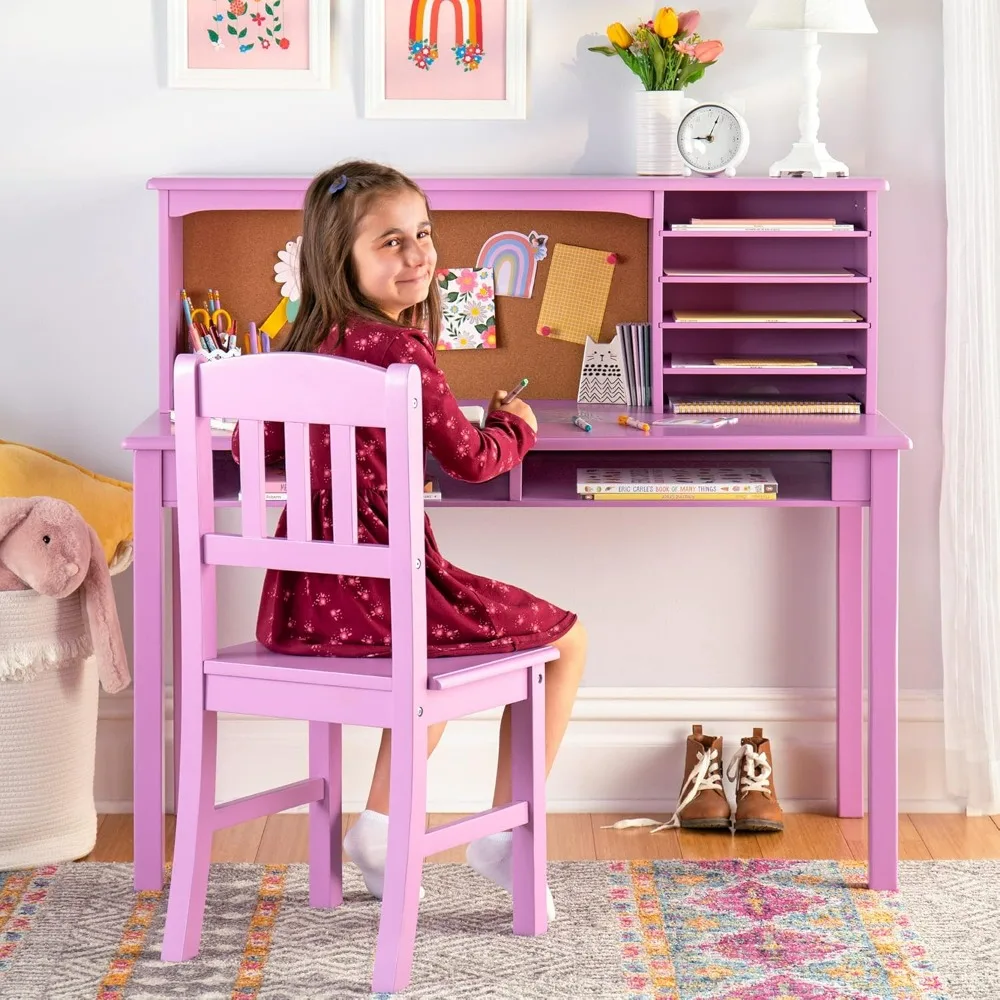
(404, 860)
(326, 873)
(193, 843)
(527, 740)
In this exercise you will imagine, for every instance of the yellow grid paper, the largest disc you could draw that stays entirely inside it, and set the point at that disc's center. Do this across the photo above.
(576, 294)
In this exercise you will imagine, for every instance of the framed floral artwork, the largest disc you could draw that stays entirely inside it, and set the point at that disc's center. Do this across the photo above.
(469, 313)
(446, 58)
(248, 44)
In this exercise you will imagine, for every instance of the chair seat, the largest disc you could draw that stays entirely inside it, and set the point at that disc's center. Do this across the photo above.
(373, 673)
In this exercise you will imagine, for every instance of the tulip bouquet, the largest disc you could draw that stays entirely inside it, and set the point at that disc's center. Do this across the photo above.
(665, 53)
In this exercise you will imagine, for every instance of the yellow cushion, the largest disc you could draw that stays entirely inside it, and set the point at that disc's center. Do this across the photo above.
(105, 503)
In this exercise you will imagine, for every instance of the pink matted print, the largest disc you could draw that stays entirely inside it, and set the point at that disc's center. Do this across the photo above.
(248, 34)
(445, 50)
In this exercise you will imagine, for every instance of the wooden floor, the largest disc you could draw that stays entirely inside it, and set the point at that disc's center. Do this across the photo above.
(282, 839)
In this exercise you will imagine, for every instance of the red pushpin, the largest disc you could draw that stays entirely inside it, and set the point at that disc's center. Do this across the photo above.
(612, 258)
(545, 331)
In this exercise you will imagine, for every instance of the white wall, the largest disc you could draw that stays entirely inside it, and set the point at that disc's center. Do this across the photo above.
(697, 598)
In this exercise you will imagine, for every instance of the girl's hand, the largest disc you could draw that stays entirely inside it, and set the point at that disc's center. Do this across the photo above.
(516, 406)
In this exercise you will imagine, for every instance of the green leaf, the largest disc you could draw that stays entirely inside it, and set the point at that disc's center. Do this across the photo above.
(270, 32)
(213, 36)
(260, 38)
(658, 60)
(249, 47)
(243, 32)
(606, 49)
(452, 296)
(277, 27)
(268, 8)
(277, 3)
(231, 29)
(230, 15)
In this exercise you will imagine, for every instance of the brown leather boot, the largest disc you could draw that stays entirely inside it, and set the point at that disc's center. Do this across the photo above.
(757, 807)
(702, 803)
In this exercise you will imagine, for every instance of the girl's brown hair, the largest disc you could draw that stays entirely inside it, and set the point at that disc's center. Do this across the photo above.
(335, 202)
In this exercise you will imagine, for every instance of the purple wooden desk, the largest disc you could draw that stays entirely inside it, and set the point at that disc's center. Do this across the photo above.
(844, 462)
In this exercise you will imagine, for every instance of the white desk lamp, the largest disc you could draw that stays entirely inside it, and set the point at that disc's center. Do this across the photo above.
(808, 155)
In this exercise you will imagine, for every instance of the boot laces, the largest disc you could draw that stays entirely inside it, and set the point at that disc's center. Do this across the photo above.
(756, 775)
(706, 774)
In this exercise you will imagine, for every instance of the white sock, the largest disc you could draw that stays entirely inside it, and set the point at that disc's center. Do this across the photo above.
(493, 858)
(366, 844)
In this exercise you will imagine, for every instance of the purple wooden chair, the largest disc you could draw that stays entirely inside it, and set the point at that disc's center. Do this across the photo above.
(405, 692)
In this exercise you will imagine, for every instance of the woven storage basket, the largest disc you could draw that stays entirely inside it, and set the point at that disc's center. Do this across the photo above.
(48, 730)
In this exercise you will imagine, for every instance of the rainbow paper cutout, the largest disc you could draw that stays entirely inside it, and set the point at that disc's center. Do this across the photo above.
(468, 47)
(514, 258)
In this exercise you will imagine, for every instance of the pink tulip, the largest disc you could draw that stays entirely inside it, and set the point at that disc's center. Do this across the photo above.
(688, 23)
(706, 52)
(686, 49)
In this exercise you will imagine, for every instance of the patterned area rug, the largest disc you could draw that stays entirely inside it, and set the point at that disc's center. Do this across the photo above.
(663, 930)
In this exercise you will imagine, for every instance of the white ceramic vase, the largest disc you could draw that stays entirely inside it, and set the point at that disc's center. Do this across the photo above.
(657, 115)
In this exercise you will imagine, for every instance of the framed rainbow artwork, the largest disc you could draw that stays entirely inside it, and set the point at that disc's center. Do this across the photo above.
(514, 258)
(425, 17)
(446, 59)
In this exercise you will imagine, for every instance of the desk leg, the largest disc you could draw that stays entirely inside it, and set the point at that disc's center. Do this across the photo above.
(175, 637)
(883, 706)
(850, 661)
(147, 710)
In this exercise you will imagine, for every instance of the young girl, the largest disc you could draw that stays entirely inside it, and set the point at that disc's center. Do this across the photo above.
(367, 264)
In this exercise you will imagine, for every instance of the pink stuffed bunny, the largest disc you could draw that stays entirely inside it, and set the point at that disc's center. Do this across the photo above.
(47, 546)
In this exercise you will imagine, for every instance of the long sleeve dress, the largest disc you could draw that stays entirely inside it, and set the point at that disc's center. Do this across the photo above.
(325, 615)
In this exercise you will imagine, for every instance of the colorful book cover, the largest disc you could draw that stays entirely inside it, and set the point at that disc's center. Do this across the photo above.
(678, 480)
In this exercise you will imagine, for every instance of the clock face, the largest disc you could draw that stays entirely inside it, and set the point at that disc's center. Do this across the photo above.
(710, 138)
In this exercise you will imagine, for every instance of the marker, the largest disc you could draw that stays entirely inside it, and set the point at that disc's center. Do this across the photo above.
(515, 392)
(581, 423)
(252, 334)
(627, 421)
(265, 342)
(186, 303)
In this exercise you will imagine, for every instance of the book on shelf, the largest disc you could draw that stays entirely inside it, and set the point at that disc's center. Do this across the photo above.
(432, 490)
(748, 362)
(680, 496)
(765, 221)
(635, 341)
(762, 225)
(710, 479)
(738, 272)
(771, 316)
(766, 404)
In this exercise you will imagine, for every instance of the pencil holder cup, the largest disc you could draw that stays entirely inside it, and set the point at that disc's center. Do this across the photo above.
(218, 355)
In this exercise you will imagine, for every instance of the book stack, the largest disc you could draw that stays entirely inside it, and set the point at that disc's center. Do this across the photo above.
(680, 483)
(761, 225)
(835, 404)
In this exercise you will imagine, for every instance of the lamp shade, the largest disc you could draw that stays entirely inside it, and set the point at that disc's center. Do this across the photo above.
(847, 16)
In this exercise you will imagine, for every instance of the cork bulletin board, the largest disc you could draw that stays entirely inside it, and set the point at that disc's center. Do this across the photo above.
(236, 253)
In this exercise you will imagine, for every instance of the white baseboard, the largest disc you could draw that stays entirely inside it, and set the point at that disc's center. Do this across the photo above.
(623, 751)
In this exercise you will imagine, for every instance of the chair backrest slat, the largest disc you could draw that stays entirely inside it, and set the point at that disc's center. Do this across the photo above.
(253, 515)
(298, 507)
(344, 484)
(298, 557)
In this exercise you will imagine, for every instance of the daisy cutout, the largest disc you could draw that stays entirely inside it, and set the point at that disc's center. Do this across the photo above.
(286, 271)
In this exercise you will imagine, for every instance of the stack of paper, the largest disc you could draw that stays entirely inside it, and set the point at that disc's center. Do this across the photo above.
(635, 339)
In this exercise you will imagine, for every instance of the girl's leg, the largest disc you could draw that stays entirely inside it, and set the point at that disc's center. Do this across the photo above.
(378, 796)
(491, 856)
(562, 679)
(367, 841)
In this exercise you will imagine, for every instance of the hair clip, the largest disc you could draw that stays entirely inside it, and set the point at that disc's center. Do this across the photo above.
(339, 184)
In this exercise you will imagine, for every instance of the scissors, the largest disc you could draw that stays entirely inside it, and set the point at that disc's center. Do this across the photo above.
(213, 321)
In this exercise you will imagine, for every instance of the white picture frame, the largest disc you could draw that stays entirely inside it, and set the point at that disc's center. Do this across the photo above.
(513, 106)
(315, 77)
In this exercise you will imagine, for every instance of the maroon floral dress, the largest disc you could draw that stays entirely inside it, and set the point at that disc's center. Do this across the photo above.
(323, 615)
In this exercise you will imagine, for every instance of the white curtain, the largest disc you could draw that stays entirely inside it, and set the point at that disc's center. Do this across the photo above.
(970, 482)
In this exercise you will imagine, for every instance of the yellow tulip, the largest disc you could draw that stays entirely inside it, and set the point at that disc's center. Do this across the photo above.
(665, 22)
(618, 34)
